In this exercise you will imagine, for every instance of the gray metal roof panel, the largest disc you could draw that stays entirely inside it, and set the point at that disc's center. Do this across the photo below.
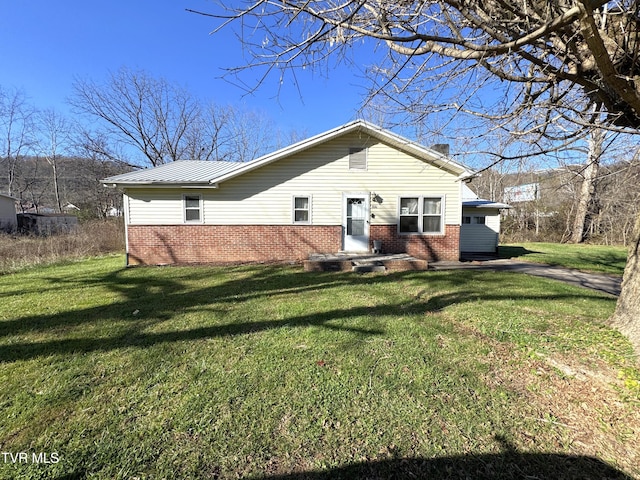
(480, 203)
(179, 172)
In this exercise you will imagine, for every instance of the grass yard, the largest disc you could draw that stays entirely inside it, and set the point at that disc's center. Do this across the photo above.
(591, 258)
(271, 372)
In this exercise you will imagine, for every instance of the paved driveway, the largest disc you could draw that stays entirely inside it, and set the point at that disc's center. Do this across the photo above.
(604, 283)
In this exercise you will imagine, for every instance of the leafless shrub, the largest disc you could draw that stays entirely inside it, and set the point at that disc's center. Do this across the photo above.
(97, 237)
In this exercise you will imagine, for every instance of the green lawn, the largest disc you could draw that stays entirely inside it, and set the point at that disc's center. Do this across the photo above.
(592, 258)
(268, 371)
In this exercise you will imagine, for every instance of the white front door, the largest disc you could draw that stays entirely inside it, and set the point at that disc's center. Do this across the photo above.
(356, 222)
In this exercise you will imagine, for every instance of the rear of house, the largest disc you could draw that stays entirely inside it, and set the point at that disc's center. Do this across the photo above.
(339, 191)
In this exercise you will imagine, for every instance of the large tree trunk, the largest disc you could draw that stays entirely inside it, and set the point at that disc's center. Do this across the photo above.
(590, 174)
(627, 315)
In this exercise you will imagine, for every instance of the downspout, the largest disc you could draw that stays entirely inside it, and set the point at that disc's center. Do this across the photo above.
(125, 206)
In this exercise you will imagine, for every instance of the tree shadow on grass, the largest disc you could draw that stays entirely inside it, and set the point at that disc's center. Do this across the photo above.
(160, 298)
(612, 262)
(508, 251)
(507, 466)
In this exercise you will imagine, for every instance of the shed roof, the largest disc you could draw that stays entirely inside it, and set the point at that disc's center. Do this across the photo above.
(207, 173)
(4, 195)
(480, 203)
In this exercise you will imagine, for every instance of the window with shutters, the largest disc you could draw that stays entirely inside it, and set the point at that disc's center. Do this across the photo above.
(357, 159)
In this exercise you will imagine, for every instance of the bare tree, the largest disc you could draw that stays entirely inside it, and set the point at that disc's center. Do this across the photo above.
(16, 132)
(589, 176)
(148, 114)
(55, 139)
(562, 59)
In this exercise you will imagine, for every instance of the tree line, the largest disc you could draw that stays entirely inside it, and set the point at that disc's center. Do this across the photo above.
(129, 120)
(612, 206)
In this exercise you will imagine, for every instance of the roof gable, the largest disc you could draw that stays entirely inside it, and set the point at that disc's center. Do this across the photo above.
(207, 173)
(385, 136)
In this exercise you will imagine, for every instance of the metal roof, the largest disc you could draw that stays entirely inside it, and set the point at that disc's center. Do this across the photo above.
(479, 203)
(181, 172)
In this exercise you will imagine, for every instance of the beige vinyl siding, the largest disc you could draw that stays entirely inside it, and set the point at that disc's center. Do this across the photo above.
(264, 195)
(155, 206)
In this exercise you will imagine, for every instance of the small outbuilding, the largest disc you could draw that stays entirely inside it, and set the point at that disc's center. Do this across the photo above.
(46, 224)
(8, 219)
(480, 225)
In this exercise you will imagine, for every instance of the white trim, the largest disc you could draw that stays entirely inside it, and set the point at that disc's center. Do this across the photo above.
(401, 143)
(170, 185)
(421, 214)
(367, 219)
(125, 207)
(200, 208)
(309, 221)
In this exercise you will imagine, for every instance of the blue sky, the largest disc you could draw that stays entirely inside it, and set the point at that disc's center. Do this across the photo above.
(45, 45)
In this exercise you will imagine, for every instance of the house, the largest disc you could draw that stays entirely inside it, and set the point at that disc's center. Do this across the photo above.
(340, 190)
(8, 219)
(480, 229)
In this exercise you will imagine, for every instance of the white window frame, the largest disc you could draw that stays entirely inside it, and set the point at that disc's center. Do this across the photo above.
(420, 214)
(185, 208)
(294, 209)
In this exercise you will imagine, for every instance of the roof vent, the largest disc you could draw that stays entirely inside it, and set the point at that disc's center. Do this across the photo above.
(442, 148)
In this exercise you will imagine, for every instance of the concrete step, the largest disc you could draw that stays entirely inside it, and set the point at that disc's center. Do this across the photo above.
(368, 267)
(339, 262)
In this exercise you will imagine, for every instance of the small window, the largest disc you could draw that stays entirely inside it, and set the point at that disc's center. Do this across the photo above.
(301, 209)
(474, 219)
(357, 159)
(421, 215)
(192, 208)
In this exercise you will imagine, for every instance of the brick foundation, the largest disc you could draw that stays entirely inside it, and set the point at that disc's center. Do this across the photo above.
(175, 244)
(178, 244)
(427, 247)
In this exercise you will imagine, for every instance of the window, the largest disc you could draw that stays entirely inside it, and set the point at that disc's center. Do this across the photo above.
(409, 215)
(192, 208)
(301, 209)
(475, 220)
(421, 215)
(357, 159)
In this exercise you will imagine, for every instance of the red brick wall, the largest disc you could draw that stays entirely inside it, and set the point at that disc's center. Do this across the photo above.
(174, 244)
(170, 244)
(427, 247)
